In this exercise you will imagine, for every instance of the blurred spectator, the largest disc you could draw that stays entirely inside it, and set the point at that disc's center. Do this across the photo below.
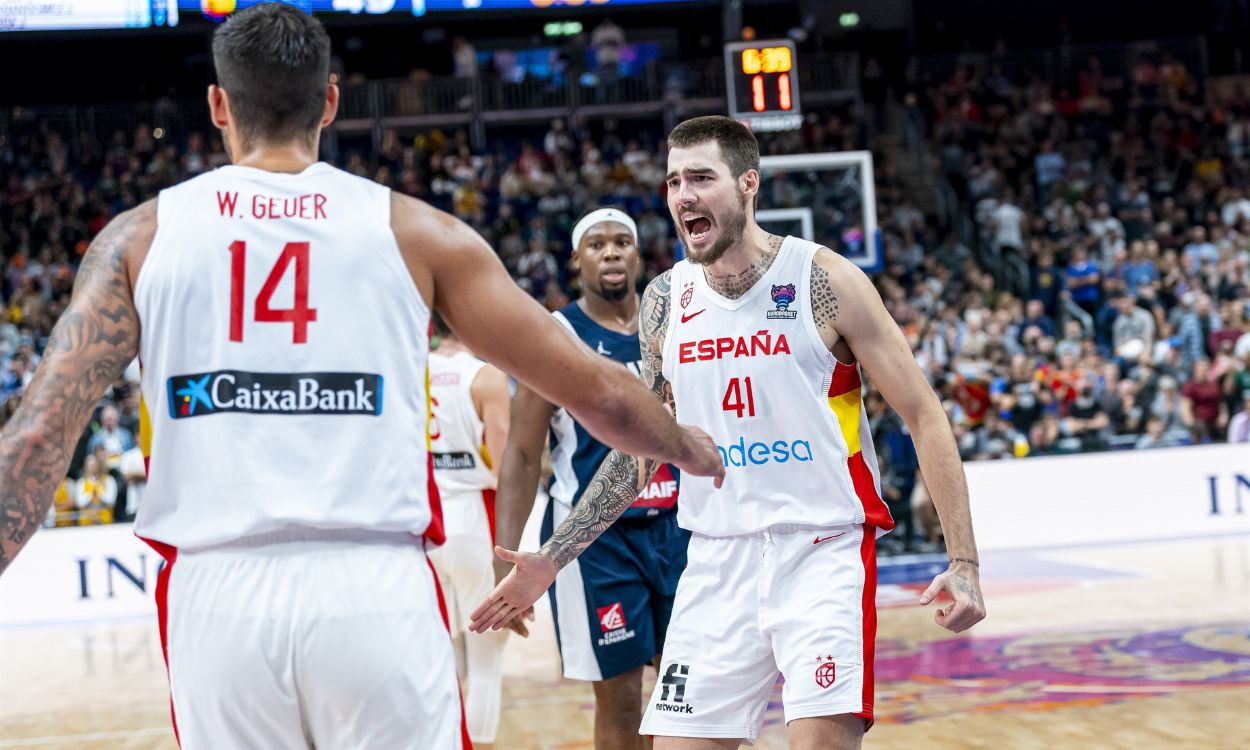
(95, 493)
(134, 473)
(1133, 330)
(1083, 279)
(114, 438)
(1155, 436)
(1204, 411)
(607, 40)
(464, 58)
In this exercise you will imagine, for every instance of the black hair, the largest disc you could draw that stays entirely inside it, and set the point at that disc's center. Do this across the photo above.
(738, 146)
(273, 61)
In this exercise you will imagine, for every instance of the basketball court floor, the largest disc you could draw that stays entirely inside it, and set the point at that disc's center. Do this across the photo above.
(1143, 645)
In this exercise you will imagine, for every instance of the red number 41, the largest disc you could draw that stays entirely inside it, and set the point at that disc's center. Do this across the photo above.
(299, 315)
(733, 398)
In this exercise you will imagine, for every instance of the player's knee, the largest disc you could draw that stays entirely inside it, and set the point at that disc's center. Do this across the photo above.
(842, 732)
(619, 699)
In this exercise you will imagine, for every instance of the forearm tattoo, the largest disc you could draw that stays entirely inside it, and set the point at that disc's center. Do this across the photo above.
(90, 346)
(621, 477)
(734, 285)
(824, 301)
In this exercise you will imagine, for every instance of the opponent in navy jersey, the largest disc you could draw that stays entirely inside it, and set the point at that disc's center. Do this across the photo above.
(612, 606)
(575, 453)
(279, 314)
(760, 340)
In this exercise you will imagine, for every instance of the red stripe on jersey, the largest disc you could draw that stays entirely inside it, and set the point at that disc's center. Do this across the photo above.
(488, 499)
(435, 531)
(170, 554)
(868, 554)
(465, 742)
(875, 511)
(845, 379)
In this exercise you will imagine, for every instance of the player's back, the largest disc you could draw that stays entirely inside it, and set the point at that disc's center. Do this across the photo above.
(284, 350)
(457, 434)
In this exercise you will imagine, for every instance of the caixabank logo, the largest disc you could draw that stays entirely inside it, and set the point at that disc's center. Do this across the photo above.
(235, 391)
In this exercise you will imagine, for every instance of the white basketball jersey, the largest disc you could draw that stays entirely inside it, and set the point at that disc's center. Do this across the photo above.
(456, 434)
(284, 349)
(785, 414)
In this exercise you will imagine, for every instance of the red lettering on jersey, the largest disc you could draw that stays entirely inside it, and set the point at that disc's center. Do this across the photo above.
(226, 203)
(308, 206)
(762, 344)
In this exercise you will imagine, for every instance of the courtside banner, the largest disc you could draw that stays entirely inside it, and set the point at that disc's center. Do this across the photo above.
(1121, 496)
(80, 575)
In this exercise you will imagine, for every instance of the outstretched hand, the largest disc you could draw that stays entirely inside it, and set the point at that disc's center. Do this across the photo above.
(962, 582)
(530, 577)
(702, 457)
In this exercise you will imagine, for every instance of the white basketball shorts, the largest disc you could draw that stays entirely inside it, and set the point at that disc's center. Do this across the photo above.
(797, 601)
(305, 638)
(465, 565)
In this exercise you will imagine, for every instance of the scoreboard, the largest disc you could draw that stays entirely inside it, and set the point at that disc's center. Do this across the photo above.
(762, 84)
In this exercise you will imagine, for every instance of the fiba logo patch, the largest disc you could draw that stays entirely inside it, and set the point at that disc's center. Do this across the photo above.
(612, 623)
(826, 672)
(686, 295)
(783, 296)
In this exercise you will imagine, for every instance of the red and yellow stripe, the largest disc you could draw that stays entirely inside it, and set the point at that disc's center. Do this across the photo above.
(846, 403)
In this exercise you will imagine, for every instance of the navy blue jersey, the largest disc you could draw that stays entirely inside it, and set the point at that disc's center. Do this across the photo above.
(575, 455)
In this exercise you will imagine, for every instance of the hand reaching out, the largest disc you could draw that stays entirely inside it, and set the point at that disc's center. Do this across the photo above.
(516, 593)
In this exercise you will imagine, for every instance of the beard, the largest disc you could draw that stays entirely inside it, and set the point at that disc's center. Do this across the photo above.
(614, 294)
(731, 232)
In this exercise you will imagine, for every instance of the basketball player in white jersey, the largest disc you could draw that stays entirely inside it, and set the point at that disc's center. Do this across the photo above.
(760, 340)
(281, 311)
(468, 433)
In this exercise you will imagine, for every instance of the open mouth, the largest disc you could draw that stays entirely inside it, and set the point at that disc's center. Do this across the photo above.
(697, 227)
(613, 277)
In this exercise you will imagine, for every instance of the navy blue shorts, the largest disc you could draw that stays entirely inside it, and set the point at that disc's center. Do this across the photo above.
(612, 603)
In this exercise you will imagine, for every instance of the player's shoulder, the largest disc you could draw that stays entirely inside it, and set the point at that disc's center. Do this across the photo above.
(658, 288)
(827, 264)
(428, 228)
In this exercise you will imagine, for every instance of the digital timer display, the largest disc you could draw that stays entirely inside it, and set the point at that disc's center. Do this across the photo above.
(761, 80)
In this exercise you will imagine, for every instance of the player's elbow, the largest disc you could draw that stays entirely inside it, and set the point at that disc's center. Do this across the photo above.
(922, 411)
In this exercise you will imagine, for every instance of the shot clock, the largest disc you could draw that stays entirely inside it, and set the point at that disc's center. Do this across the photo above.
(762, 84)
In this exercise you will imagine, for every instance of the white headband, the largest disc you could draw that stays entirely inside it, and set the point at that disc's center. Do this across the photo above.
(598, 217)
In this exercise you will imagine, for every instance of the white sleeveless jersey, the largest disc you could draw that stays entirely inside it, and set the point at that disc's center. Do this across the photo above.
(785, 414)
(284, 349)
(457, 435)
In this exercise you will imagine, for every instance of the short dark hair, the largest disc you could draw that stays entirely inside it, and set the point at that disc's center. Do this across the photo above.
(274, 62)
(737, 143)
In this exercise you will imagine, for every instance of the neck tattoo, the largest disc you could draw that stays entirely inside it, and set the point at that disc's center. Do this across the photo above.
(734, 285)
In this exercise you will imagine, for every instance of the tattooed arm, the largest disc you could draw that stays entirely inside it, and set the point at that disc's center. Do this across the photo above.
(96, 337)
(614, 488)
(620, 478)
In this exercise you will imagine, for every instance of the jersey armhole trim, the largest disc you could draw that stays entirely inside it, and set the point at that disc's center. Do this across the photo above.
(164, 218)
(670, 326)
(394, 257)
